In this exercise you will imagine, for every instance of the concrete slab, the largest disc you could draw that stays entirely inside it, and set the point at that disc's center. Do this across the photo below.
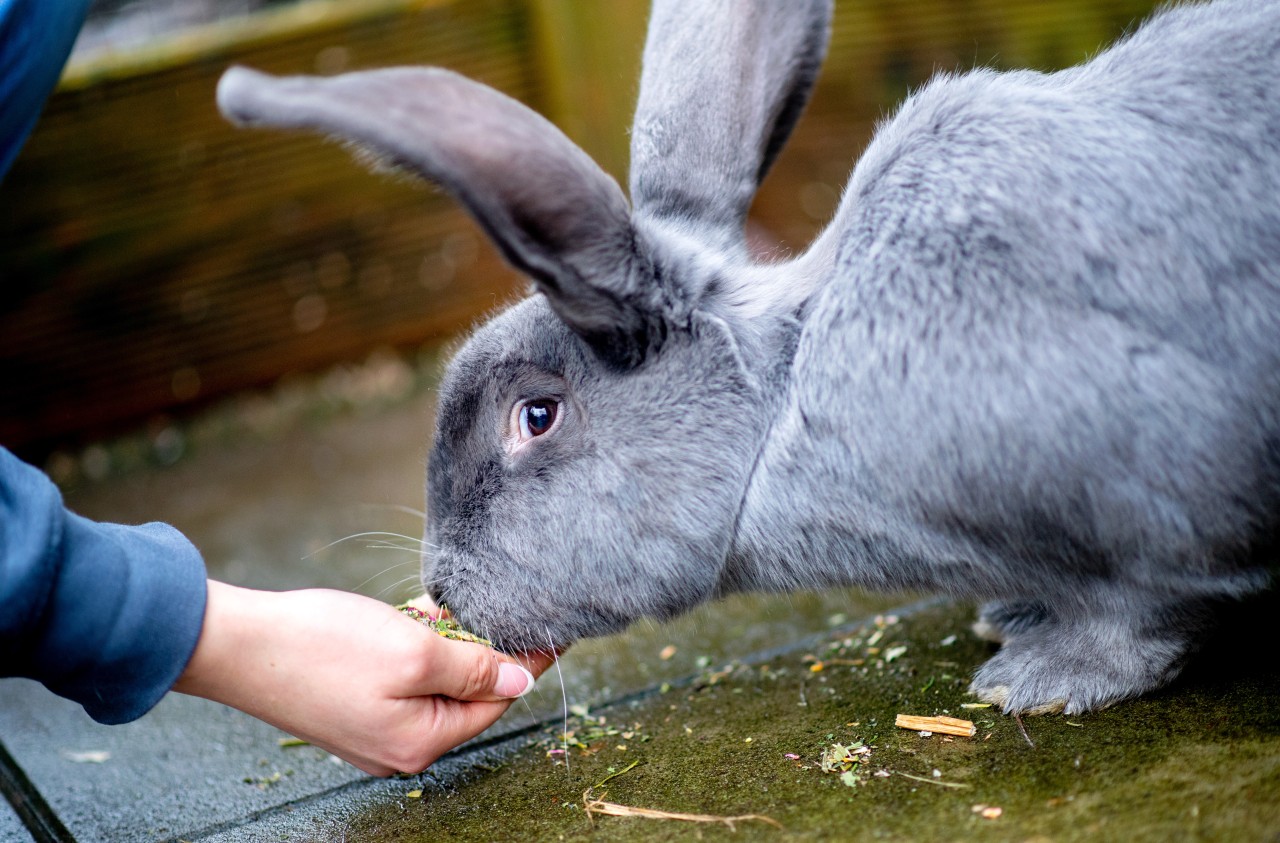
(341, 815)
(177, 771)
(1199, 761)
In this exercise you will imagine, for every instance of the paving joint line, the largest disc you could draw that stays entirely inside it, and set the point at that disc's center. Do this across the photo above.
(36, 814)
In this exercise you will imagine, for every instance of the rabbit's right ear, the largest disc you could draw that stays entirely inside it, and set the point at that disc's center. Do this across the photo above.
(724, 82)
(551, 210)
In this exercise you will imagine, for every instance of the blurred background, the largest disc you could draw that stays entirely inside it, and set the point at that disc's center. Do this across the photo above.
(238, 331)
(154, 258)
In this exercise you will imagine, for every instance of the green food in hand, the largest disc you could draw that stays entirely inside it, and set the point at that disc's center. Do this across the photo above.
(444, 625)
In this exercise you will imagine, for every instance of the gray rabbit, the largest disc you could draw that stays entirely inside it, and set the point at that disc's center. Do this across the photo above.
(1033, 360)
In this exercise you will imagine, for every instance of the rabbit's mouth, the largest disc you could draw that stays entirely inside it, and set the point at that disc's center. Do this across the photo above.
(517, 619)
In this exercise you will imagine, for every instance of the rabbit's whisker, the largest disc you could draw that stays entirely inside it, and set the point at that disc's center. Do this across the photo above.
(364, 535)
(396, 507)
(385, 570)
(564, 698)
(400, 583)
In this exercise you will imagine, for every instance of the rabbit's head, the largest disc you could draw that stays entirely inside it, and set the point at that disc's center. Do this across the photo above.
(594, 441)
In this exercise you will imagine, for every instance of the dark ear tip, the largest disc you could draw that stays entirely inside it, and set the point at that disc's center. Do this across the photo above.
(236, 95)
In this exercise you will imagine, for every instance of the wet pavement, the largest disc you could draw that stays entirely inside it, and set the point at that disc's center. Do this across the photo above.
(729, 711)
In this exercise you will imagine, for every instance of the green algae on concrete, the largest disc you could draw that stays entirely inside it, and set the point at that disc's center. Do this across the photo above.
(1199, 761)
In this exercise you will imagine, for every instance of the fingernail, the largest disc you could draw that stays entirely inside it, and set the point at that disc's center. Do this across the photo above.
(513, 681)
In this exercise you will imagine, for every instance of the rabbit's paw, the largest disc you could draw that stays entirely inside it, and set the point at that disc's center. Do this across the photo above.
(1001, 620)
(1054, 667)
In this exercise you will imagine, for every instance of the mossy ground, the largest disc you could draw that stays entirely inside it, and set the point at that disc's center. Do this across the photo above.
(1199, 761)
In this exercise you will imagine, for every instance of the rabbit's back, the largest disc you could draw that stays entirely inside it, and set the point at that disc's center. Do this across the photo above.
(1055, 307)
(1145, 183)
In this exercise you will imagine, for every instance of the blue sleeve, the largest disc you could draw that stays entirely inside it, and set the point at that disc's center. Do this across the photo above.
(103, 614)
(36, 37)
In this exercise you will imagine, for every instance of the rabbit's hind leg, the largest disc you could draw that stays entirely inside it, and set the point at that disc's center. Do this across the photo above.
(1083, 663)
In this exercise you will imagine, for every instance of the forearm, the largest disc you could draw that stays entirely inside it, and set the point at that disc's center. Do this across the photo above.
(235, 659)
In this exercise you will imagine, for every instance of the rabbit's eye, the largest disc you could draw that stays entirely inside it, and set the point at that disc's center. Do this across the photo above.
(537, 417)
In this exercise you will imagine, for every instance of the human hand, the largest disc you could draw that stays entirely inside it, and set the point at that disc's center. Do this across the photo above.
(351, 675)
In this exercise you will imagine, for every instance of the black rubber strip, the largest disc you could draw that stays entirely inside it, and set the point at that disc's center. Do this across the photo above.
(35, 813)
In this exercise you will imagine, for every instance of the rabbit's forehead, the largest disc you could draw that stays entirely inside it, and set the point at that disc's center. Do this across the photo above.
(531, 333)
(527, 335)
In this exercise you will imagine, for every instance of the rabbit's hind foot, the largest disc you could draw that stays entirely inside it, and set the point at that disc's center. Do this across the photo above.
(1083, 664)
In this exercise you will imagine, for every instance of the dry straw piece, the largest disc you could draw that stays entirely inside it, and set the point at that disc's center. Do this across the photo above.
(939, 725)
(613, 809)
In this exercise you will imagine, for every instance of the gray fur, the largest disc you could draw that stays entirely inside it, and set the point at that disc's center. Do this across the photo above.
(1034, 359)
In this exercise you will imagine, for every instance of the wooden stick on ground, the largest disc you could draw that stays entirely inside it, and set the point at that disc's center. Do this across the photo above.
(940, 725)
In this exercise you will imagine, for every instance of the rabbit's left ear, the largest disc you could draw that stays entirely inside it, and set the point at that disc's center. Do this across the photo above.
(724, 82)
(551, 210)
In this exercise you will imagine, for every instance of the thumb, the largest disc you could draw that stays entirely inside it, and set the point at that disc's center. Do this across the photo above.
(466, 671)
